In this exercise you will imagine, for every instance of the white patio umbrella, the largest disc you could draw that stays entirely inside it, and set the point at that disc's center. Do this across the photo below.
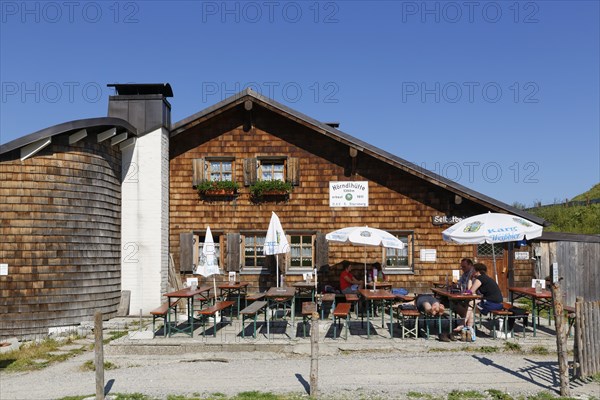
(492, 228)
(365, 236)
(208, 259)
(276, 242)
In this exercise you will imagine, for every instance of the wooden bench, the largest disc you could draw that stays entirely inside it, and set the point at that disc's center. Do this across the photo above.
(203, 299)
(212, 310)
(504, 315)
(162, 312)
(308, 308)
(252, 311)
(327, 298)
(253, 297)
(342, 310)
(353, 299)
(405, 316)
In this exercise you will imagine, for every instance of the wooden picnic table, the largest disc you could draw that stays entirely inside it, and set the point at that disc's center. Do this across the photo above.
(305, 288)
(277, 296)
(382, 296)
(379, 285)
(234, 289)
(539, 301)
(456, 297)
(188, 294)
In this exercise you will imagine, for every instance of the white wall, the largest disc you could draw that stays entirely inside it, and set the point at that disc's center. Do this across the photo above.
(144, 220)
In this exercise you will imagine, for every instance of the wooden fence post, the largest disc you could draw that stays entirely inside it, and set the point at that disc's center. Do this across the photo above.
(561, 339)
(99, 356)
(314, 355)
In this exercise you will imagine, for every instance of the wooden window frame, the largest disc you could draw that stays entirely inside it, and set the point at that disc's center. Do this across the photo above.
(272, 161)
(251, 269)
(292, 270)
(221, 160)
(409, 241)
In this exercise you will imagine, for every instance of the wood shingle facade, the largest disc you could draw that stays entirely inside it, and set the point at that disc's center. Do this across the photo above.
(249, 127)
(61, 232)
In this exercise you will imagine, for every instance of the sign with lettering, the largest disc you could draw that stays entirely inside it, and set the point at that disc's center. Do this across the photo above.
(349, 194)
(445, 219)
(521, 255)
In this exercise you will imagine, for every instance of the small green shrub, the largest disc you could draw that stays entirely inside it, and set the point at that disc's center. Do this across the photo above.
(465, 395)
(498, 395)
(540, 350)
(89, 366)
(512, 346)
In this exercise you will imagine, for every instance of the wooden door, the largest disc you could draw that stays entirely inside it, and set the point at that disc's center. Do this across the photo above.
(484, 254)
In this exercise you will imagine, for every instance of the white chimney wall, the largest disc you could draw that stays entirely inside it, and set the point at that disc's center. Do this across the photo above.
(145, 220)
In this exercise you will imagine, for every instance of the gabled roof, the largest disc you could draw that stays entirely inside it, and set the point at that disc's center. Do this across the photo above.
(71, 126)
(567, 237)
(351, 141)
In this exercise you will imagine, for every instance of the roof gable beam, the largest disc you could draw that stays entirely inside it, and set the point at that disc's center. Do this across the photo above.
(77, 136)
(32, 148)
(102, 136)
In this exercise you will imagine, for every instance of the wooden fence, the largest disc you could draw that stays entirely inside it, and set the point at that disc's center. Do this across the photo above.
(587, 338)
(577, 264)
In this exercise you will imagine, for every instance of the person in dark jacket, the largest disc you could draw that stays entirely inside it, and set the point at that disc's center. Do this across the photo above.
(490, 292)
(488, 288)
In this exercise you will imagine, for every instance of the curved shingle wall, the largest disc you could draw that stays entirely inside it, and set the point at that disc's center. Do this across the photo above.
(60, 227)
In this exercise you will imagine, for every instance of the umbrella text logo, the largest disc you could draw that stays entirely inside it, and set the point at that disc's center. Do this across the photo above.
(473, 227)
(522, 222)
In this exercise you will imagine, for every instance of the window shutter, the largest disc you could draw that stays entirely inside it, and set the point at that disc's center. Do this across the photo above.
(199, 170)
(322, 250)
(195, 252)
(293, 170)
(233, 252)
(250, 171)
(270, 263)
(285, 261)
(186, 252)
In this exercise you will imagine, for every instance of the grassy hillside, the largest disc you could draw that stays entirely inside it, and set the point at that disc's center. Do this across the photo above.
(574, 219)
(593, 193)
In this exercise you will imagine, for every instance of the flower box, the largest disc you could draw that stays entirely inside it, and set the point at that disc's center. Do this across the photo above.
(274, 188)
(217, 189)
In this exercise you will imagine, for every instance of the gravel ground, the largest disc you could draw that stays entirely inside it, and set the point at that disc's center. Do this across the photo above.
(380, 368)
(346, 375)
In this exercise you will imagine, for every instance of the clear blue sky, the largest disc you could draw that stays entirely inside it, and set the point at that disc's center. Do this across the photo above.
(501, 96)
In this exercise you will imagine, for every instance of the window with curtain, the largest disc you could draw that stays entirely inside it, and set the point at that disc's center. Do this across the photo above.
(301, 252)
(400, 260)
(221, 170)
(272, 170)
(254, 256)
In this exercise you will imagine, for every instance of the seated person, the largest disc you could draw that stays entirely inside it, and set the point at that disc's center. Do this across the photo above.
(348, 283)
(465, 282)
(490, 291)
(488, 288)
(428, 304)
(431, 306)
(380, 275)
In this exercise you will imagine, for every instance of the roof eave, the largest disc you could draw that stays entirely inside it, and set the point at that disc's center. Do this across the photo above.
(67, 127)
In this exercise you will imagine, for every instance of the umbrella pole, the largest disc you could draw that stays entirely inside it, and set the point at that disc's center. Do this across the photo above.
(494, 258)
(277, 271)
(365, 259)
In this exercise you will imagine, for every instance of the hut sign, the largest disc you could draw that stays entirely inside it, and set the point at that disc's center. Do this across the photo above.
(349, 194)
